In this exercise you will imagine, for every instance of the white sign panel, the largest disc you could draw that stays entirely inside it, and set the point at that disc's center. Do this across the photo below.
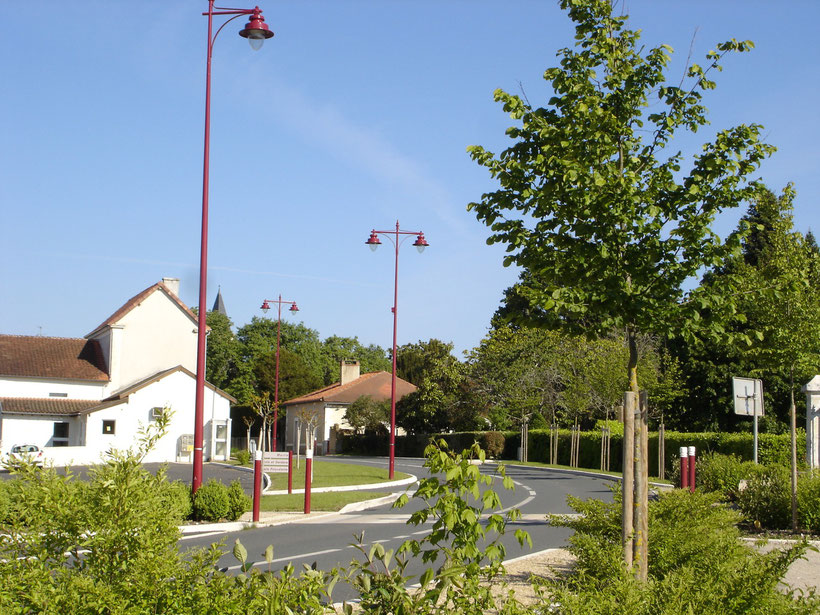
(748, 394)
(273, 463)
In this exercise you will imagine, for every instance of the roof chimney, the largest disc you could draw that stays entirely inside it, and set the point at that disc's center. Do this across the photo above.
(349, 371)
(172, 284)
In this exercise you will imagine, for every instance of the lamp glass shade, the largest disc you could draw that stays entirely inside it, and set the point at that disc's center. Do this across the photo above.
(256, 42)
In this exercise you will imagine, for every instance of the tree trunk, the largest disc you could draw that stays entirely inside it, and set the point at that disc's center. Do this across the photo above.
(628, 476)
(793, 421)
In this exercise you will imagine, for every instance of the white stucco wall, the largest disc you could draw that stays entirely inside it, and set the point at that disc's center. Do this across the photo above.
(33, 387)
(154, 335)
(176, 391)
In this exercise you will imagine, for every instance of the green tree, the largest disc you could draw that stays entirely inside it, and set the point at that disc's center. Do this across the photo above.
(441, 401)
(594, 203)
(295, 376)
(367, 414)
(222, 350)
(336, 349)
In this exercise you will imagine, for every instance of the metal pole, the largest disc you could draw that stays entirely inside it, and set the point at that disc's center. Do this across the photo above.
(276, 383)
(196, 480)
(308, 476)
(692, 469)
(684, 467)
(391, 464)
(290, 472)
(257, 485)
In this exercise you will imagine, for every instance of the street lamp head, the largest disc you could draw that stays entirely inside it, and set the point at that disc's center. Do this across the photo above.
(265, 306)
(373, 240)
(293, 308)
(256, 30)
(420, 243)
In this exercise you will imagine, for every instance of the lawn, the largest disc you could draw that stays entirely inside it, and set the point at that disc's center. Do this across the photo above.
(331, 501)
(332, 474)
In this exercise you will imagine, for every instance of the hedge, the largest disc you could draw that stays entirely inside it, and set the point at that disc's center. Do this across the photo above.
(773, 449)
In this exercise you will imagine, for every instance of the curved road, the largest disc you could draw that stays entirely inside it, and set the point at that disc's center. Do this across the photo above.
(326, 540)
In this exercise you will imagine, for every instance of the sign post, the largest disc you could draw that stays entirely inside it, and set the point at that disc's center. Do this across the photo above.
(257, 484)
(308, 476)
(748, 394)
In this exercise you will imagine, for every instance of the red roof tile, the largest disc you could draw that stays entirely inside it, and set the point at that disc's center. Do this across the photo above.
(375, 384)
(49, 406)
(51, 357)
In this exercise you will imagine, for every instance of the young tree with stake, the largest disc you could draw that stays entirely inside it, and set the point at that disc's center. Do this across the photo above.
(596, 208)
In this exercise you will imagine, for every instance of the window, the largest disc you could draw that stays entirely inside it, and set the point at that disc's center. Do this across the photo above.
(108, 427)
(157, 412)
(60, 435)
(58, 394)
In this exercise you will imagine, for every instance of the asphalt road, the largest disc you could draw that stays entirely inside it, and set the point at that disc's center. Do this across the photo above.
(327, 540)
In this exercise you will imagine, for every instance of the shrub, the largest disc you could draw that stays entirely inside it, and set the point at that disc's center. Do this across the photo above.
(238, 501)
(723, 473)
(242, 456)
(696, 563)
(808, 501)
(493, 443)
(176, 497)
(766, 500)
(211, 502)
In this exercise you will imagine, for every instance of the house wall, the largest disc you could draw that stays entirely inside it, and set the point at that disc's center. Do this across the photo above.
(153, 336)
(88, 442)
(35, 387)
(39, 430)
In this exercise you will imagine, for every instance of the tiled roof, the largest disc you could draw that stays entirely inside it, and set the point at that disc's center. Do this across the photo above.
(48, 406)
(51, 357)
(139, 298)
(375, 384)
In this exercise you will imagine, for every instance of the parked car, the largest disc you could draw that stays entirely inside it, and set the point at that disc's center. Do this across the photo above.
(24, 453)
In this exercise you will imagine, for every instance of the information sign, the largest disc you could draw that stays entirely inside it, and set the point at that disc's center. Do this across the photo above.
(274, 463)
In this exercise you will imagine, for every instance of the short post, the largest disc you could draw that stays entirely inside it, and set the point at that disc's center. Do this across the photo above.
(257, 485)
(692, 469)
(684, 467)
(290, 472)
(308, 476)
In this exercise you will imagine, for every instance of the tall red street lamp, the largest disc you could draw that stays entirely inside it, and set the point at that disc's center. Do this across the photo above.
(265, 307)
(373, 242)
(256, 31)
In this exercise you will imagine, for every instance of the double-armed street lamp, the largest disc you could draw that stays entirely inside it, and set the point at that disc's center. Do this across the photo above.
(420, 243)
(256, 31)
(293, 309)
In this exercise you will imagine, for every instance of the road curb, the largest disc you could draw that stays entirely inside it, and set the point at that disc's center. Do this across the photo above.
(366, 487)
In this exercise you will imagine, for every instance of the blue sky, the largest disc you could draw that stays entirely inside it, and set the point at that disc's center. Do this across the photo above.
(356, 114)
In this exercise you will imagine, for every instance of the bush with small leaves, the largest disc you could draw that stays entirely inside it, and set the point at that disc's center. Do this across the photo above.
(238, 501)
(211, 502)
(493, 443)
(242, 456)
(808, 501)
(766, 500)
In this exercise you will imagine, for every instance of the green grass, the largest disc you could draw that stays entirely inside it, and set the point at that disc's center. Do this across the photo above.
(332, 501)
(332, 474)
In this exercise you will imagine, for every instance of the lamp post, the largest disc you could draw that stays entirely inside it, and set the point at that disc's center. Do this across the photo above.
(265, 307)
(420, 244)
(256, 31)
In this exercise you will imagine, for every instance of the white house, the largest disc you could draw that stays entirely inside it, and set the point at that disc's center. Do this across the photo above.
(327, 407)
(78, 397)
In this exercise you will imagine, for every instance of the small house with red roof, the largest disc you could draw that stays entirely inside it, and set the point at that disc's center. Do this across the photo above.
(325, 409)
(79, 397)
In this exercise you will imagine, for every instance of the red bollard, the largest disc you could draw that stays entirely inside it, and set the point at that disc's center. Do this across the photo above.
(308, 476)
(692, 469)
(290, 472)
(684, 467)
(257, 485)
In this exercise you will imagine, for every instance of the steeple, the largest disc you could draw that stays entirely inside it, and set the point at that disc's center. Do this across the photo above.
(219, 304)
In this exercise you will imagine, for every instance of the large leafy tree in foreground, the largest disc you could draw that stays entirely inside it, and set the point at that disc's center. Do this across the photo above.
(596, 206)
